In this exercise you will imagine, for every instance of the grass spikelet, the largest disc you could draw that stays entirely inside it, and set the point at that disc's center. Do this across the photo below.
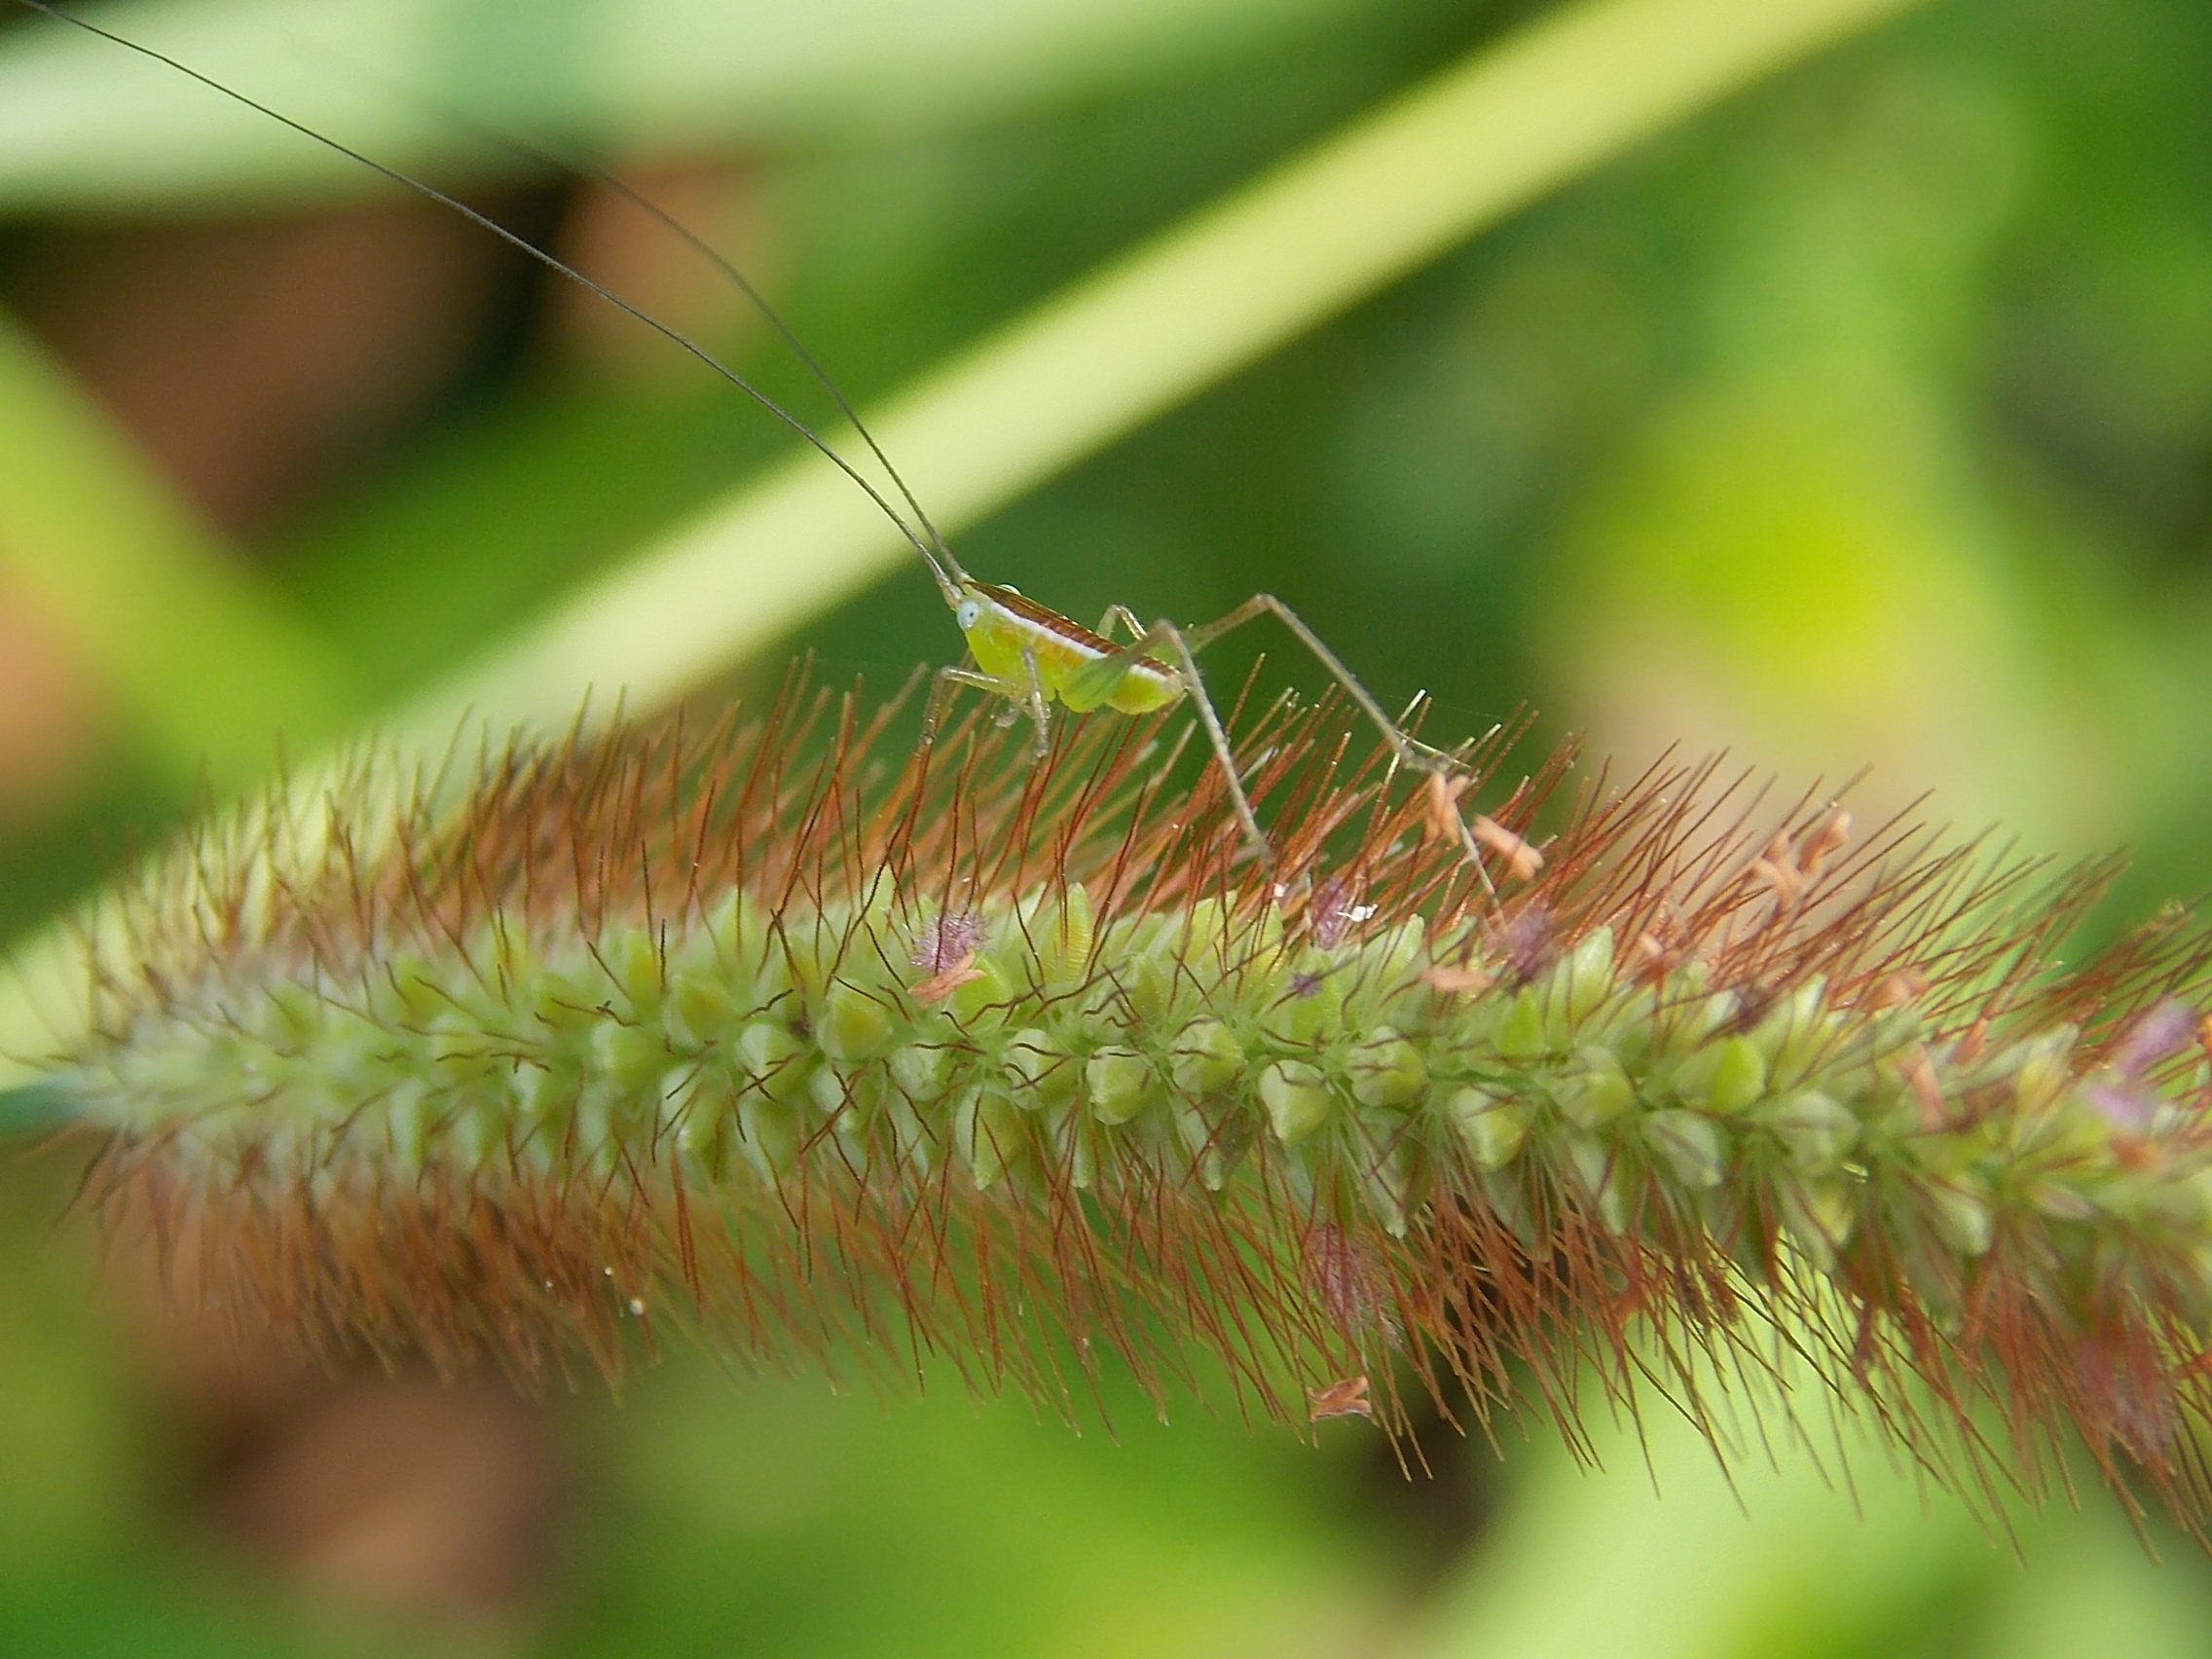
(837, 1055)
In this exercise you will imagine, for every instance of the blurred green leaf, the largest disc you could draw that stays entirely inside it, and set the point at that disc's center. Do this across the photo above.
(1736, 1536)
(86, 126)
(948, 1526)
(32, 1108)
(206, 659)
(1662, 1554)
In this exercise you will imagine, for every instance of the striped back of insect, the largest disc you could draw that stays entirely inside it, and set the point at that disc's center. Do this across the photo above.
(1075, 667)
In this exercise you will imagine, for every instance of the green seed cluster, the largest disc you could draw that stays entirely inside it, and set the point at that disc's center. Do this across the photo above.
(1198, 1043)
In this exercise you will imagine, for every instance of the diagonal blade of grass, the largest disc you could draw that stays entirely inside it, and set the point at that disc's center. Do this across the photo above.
(207, 663)
(1317, 234)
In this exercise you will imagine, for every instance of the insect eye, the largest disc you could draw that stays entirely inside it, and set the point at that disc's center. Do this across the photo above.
(968, 616)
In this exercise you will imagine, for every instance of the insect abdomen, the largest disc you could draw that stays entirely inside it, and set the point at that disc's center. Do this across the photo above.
(1147, 686)
(1072, 662)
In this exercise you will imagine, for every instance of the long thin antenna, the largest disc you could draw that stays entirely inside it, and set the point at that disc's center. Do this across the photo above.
(516, 144)
(940, 567)
(768, 313)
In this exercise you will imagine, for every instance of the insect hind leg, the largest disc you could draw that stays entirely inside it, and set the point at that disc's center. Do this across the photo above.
(1410, 751)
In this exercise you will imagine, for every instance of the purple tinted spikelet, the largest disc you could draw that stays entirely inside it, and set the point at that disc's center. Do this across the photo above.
(838, 1053)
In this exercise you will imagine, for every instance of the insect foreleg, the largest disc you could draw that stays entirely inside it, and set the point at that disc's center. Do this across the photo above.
(942, 686)
(1015, 700)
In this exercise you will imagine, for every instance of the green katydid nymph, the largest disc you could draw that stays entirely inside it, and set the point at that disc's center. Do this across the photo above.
(1032, 656)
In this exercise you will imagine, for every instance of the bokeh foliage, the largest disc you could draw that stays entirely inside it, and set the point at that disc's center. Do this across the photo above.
(1866, 419)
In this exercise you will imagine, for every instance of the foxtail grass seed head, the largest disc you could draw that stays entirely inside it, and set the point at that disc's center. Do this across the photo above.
(838, 1053)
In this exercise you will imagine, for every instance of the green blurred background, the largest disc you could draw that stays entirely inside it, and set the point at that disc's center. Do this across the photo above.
(1863, 419)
